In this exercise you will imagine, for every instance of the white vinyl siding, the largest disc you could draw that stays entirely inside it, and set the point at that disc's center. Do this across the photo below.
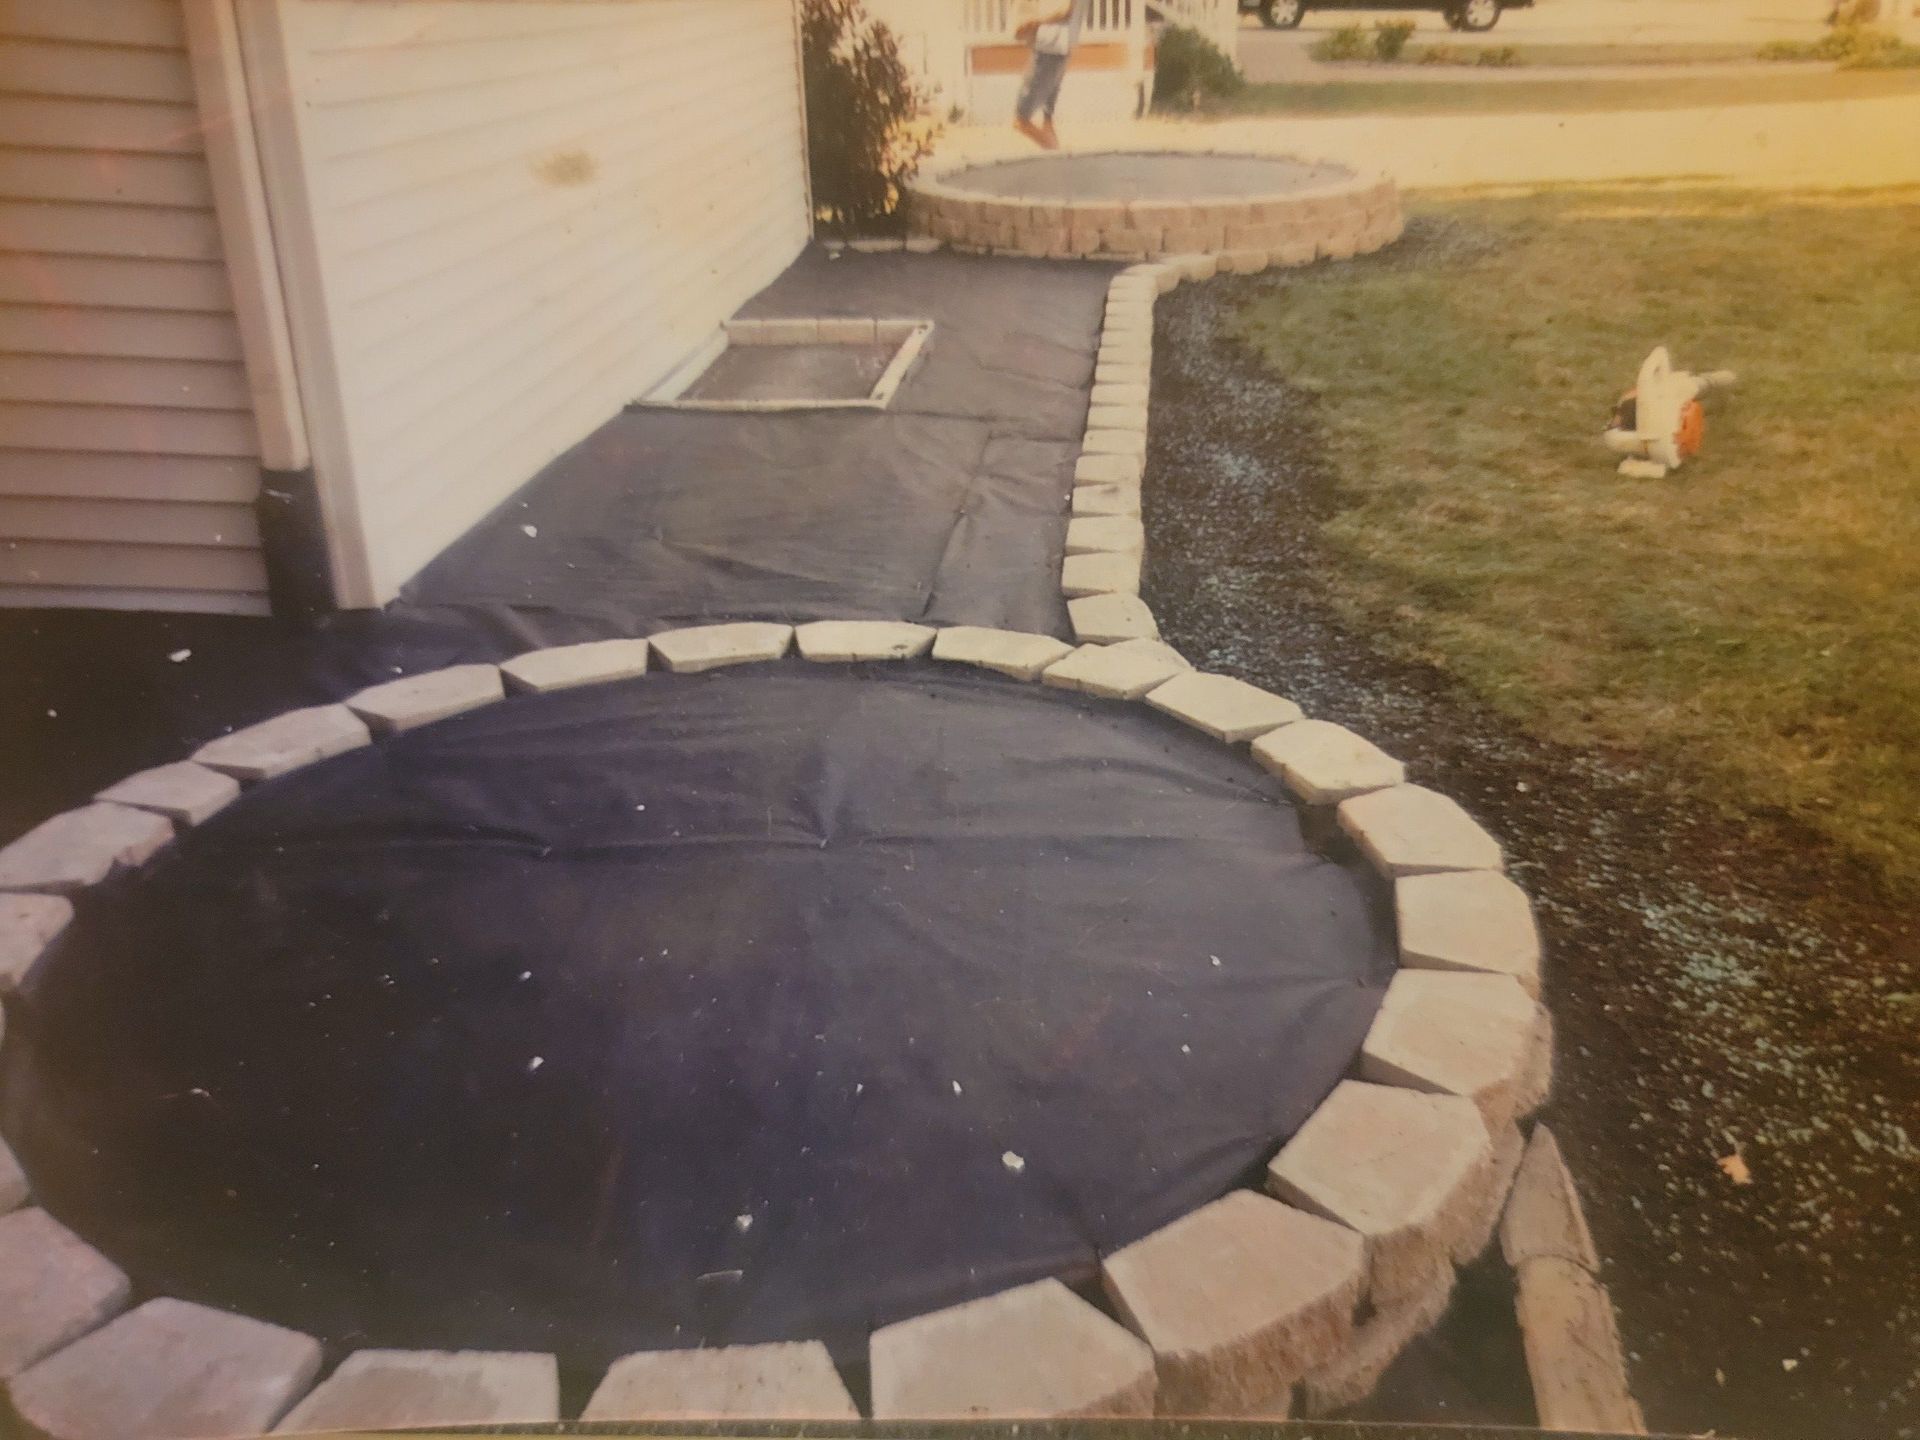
(522, 214)
(128, 456)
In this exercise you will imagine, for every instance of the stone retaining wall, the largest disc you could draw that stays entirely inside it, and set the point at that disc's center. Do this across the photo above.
(1310, 1289)
(1333, 220)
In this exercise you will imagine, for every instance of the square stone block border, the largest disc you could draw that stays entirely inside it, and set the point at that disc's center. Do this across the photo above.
(1354, 213)
(1257, 1368)
(909, 336)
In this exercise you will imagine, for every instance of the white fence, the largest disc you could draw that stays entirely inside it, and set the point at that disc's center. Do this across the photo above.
(938, 39)
(1218, 20)
(989, 20)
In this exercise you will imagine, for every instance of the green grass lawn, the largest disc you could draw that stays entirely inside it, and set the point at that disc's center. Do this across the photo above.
(1509, 97)
(1755, 615)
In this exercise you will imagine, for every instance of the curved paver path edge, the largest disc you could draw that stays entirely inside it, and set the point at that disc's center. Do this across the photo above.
(1411, 1183)
(1332, 219)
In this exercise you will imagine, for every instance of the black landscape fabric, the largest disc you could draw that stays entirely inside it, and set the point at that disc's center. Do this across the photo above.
(773, 1003)
(949, 506)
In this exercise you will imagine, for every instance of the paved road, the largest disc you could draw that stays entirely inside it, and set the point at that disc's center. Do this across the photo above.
(1281, 55)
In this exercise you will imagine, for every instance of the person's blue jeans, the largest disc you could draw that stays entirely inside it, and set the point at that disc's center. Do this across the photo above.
(1041, 91)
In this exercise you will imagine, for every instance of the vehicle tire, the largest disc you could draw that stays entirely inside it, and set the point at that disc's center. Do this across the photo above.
(1281, 14)
(1475, 15)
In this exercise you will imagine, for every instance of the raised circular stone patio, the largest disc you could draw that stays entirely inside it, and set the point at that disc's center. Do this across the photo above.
(1208, 1332)
(1252, 211)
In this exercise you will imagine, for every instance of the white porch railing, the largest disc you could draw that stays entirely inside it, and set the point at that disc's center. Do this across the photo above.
(1218, 20)
(990, 20)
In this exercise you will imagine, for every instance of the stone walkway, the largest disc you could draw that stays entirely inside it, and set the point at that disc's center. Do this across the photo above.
(1307, 1290)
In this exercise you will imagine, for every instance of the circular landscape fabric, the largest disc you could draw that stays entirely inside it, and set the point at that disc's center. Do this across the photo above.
(1122, 177)
(775, 1003)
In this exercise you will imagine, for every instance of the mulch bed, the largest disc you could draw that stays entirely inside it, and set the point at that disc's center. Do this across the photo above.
(1721, 983)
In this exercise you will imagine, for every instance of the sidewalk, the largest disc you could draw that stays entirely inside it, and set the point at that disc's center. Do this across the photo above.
(1813, 144)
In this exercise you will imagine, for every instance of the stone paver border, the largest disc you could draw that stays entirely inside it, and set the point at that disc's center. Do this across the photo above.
(1335, 219)
(1222, 1339)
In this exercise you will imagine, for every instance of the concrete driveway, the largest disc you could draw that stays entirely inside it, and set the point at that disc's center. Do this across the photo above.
(1813, 144)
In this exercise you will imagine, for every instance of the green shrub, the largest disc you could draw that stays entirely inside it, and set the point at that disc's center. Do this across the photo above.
(865, 136)
(1852, 42)
(1390, 38)
(1349, 42)
(1441, 55)
(1499, 57)
(1189, 70)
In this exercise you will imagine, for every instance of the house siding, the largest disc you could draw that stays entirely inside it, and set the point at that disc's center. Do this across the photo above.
(521, 216)
(129, 461)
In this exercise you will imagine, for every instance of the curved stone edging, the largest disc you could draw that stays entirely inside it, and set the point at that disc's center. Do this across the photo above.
(1233, 1309)
(1334, 220)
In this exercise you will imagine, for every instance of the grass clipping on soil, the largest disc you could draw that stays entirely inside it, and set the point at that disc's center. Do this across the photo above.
(1755, 615)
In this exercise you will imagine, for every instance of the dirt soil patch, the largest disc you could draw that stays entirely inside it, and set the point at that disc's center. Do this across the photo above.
(1723, 986)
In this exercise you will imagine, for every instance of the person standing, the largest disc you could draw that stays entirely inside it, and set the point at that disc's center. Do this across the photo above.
(1051, 40)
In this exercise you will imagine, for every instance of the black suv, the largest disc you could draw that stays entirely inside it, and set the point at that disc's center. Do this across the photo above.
(1460, 14)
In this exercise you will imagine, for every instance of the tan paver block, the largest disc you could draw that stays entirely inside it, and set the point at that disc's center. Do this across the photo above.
(1199, 267)
(1543, 1215)
(1468, 920)
(843, 640)
(1119, 534)
(286, 742)
(15, 1191)
(707, 647)
(1105, 573)
(1350, 1376)
(1122, 372)
(1108, 470)
(1411, 830)
(734, 1382)
(1115, 442)
(394, 706)
(561, 667)
(1117, 417)
(169, 1371)
(1105, 499)
(1402, 1168)
(1238, 1300)
(1455, 1034)
(1117, 672)
(1132, 393)
(1109, 619)
(1508, 1143)
(1324, 763)
(184, 792)
(54, 1288)
(1536, 1079)
(1225, 708)
(81, 848)
(1035, 1351)
(1573, 1350)
(1243, 262)
(394, 1389)
(29, 924)
(1011, 652)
